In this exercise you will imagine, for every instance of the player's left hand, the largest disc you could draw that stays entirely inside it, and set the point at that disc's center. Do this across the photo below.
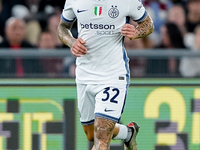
(129, 31)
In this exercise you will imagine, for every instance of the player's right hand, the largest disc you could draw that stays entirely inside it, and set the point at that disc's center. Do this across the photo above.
(78, 48)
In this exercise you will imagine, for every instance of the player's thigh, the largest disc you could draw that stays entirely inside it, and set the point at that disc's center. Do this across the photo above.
(110, 101)
(86, 104)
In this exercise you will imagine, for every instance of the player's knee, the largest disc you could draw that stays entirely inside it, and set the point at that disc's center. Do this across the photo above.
(89, 131)
(90, 136)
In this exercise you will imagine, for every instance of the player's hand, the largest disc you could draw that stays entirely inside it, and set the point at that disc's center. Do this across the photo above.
(128, 31)
(78, 48)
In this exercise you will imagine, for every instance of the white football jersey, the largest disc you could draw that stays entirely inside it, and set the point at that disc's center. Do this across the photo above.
(99, 24)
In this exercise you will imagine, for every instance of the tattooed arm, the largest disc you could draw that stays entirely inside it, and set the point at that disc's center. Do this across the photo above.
(143, 29)
(65, 35)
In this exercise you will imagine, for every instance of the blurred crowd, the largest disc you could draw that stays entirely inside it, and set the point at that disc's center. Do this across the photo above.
(177, 26)
(33, 24)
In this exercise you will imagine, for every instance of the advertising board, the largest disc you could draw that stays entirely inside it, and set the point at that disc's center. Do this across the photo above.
(42, 115)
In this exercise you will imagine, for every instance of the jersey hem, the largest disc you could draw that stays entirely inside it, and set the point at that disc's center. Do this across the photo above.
(102, 82)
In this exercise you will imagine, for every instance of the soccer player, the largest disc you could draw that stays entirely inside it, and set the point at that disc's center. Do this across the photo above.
(102, 73)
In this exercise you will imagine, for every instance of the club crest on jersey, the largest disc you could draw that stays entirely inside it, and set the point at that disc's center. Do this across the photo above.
(113, 12)
(97, 10)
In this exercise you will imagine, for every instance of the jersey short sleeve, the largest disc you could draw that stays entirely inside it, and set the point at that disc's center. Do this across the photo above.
(137, 11)
(68, 13)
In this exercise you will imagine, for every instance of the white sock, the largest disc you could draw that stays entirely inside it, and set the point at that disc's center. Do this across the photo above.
(123, 132)
(129, 134)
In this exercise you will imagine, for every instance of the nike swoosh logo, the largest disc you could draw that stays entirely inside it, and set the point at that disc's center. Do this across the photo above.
(79, 11)
(107, 110)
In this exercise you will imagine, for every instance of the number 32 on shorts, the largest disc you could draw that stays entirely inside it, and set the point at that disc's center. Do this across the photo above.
(113, 97)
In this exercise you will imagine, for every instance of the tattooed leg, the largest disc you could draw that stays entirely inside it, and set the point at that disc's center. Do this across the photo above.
(103, 133)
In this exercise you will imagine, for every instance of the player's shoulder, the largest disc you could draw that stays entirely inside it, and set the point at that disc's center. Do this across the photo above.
(136, 1)
(67, 2)
(136, 5)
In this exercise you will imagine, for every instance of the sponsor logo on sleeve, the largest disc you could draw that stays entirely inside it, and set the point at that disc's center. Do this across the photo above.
(139, 7)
